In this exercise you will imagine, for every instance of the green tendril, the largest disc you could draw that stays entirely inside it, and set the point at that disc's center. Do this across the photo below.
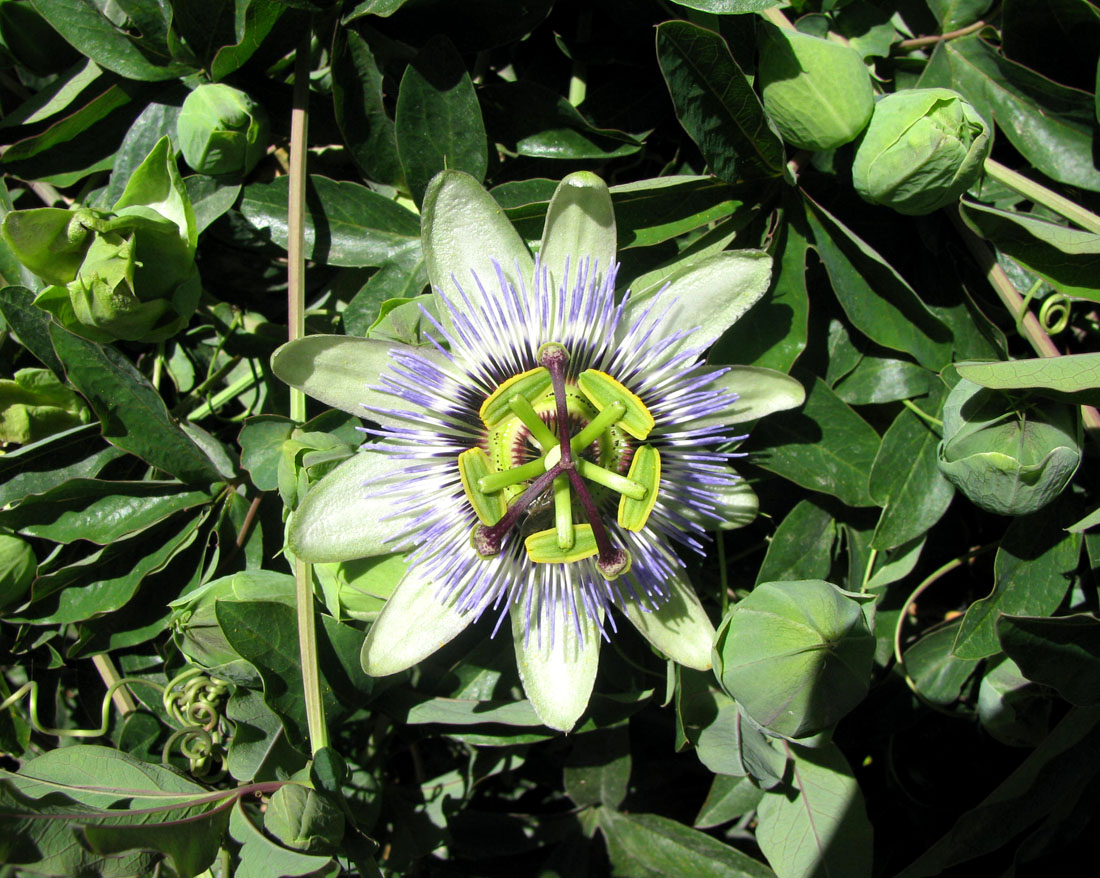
(1054, 313)
(31, 690)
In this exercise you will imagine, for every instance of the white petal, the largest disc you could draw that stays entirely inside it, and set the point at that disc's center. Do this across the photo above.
(580, 224)
(759, 392)
(558, 677)
(679, 628)
(413, 624)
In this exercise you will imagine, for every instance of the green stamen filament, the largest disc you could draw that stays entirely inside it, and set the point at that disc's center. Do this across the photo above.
(523, 410)
(523, 473)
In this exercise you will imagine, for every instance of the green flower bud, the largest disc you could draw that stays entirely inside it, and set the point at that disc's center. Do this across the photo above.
(923, 149)
(195, 622)
(304, 819)
(796, 656)
(817, 92)
(1008, 458)
(221, 130)
(126, 274)
(17, 569)
(34, 405)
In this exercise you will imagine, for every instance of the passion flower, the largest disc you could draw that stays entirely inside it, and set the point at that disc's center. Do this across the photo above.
(548, 452)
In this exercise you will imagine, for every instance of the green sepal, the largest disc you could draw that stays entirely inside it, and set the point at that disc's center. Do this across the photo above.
(543, 547)
(645, 469)
(602, 390)
(530, 385)
(474, 464)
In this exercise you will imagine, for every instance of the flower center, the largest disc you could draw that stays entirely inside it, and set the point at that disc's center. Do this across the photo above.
(571, 472)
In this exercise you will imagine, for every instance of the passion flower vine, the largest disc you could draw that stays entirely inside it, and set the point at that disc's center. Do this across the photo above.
(549, 451)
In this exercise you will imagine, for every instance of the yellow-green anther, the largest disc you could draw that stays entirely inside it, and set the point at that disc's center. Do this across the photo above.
(474, 465)
(605, 419)
(602, 390)
(529, 385)
(645, 469)
(563, 513)
(494, 481)
(625, 486)
(543, 548)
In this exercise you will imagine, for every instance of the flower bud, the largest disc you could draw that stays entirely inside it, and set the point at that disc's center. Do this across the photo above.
(221, 130)
(1008, 458)
(195, 623)
(796, 655)
(923, 149)
(34, 405)
(17, 569)
(127, 273)
(817, 92)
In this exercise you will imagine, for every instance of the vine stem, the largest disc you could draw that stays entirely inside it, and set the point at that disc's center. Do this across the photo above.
(296, 276)
(920, 42)
(1010, 297)
(1040, 194)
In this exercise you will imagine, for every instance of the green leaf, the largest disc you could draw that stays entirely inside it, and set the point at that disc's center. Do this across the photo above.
(906, 480)
(360, 112)
(438, 120)
(399, 279)
(649, 212)
(728, 799)
(535, 121)
(877, 300)
(109, 593)
(956, 14)
(260, 17)
(132, 413)
(261, 442)
(728, 7)
(101, 512)
(777, 332)
(876, 380)
(156, 120)
(95, 37)
(716, 105)
(1057, 771)
(1062, 652)
(174, 815)
(1068, 258)
(818, 826)
(825, 447)
(597, 771)
(265, 633)
(1032, 573)
(802, 545)
(652, 846)
(1073, 378)
(210, 198)
(258, 749)
(346, 224)
(260, 857)
(938, 674)
(1051, 125)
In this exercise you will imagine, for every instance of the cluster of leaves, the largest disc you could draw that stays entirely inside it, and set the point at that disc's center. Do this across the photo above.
(944, 678)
